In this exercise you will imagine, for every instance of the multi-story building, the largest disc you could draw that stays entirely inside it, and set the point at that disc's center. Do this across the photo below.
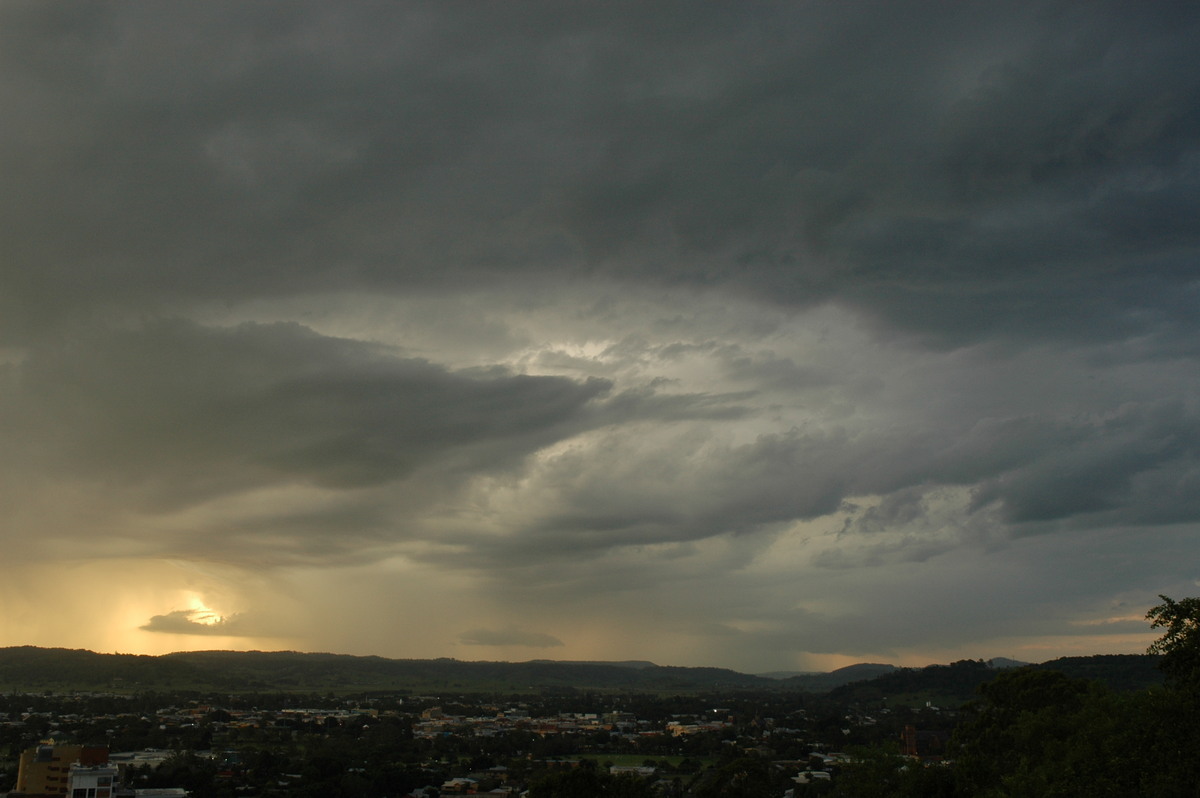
(91, 781)
(46, 769)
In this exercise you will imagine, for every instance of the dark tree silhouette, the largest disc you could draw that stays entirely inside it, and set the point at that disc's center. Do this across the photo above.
(1180, 643)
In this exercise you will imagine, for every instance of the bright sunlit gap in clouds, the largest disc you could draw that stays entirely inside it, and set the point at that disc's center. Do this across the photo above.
(198, 613)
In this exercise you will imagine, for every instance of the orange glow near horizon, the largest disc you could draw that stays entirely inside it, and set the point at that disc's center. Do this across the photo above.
(81, 605)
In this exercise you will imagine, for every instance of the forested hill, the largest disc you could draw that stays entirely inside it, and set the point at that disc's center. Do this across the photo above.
(1118, 671)
(824, 682)
(29, 669)
(957, 683)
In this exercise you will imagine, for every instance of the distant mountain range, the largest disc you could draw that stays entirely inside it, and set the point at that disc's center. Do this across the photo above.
(30, 669)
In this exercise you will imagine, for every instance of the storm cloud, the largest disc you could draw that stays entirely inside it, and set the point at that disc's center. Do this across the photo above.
(667, 325)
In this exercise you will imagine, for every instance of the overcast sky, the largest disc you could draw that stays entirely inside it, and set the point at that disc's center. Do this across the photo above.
(772, 336)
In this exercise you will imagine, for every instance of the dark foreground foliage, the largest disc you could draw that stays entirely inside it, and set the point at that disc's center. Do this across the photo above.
(1037, 732)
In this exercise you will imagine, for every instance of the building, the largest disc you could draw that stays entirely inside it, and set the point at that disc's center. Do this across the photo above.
(91, 781)
(46, 769)
(923, 744)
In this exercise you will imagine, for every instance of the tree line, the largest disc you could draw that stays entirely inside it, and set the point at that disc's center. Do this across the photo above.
(1045, 733)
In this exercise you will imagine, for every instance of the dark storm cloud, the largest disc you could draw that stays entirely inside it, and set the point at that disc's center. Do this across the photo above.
(959, 170)
(172, 414)
(295, 287)
(681, 489)
(188, 412)
(1138, 467)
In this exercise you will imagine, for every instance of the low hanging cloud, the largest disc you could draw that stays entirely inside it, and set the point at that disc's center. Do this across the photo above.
(508, 637)
(195, 622)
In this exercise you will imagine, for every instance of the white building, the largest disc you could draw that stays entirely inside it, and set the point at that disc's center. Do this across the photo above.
(91, 781)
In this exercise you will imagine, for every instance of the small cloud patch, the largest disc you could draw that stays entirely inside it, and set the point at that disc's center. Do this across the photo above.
(508, 637)
(193, 622)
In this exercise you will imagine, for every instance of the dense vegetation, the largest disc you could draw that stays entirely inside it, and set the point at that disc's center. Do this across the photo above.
(1037, 731)
(959, 682)
(25, 668)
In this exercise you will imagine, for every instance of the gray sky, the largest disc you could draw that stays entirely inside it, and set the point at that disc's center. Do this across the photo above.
(760, 335)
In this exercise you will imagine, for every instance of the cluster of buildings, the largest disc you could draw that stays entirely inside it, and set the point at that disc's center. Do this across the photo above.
(220, 733)
(435, 723)
(76, 771)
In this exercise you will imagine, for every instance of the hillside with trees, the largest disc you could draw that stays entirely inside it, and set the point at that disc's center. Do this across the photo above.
(27, 668)
(1039, 730)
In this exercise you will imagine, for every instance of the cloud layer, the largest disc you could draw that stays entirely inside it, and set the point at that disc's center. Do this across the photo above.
(695, 333)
